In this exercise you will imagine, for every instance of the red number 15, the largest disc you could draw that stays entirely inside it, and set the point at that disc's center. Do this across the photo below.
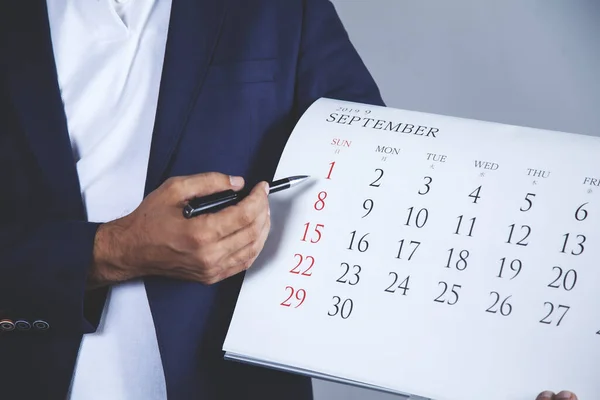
(316, 231)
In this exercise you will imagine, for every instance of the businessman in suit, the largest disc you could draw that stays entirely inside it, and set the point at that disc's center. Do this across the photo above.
(113, 113)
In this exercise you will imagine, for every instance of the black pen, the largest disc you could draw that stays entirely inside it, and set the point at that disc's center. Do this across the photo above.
(217, 201)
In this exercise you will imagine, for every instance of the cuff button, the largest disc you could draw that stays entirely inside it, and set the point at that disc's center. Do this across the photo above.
(22, 325)
(41, 325)
(6, 325)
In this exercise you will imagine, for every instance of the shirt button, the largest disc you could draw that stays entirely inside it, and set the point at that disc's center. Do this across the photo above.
(7, 325)
(41, 325)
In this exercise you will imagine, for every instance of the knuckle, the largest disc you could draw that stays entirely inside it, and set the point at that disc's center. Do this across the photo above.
(253, 232)
(253, 252)
(173, 183)
(215, 179)
(246, 217)
(247, 263)
(205, 261)
(198, 238)
(202, 237)
(259, 247)
(219, 276)
(250, 254)
(211, 276)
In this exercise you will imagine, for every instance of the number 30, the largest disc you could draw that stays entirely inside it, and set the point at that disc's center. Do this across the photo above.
(345, 310)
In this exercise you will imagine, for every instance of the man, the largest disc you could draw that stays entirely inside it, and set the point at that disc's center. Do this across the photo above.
(113, 113)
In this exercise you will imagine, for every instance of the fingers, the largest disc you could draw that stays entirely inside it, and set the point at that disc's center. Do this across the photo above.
(183, 188)
(238, 251)
(255, 237)
(236, 218)
(563, 395)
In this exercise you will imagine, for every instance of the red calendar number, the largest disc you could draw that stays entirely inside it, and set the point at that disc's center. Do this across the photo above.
(316, 233)
(298, 295)
(332, 164)
(320, 203)
(297, 270)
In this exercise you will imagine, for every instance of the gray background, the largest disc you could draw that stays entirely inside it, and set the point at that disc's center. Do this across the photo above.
(523, 62)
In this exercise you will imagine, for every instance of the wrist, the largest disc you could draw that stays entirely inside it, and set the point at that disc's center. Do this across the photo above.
(109, 265)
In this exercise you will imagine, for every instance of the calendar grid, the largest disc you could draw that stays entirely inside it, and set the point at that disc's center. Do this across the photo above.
(437, 246)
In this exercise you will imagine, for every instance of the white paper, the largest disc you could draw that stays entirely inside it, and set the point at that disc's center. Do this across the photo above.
(411, 343)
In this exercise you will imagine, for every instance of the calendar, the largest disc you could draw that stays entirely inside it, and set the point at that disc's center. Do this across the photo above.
(429, 255)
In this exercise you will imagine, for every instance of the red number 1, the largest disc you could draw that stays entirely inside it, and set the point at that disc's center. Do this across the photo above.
(330, 170)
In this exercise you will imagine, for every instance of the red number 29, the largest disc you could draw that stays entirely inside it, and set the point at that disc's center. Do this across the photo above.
(300, 295)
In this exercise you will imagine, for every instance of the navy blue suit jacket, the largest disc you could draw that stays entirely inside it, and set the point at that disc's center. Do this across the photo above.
(237, 76)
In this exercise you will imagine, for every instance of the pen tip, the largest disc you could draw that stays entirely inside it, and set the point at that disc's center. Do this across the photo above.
(297, 179)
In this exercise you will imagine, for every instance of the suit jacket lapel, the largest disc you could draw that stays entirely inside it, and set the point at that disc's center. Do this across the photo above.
(32, 83)
(193, 33)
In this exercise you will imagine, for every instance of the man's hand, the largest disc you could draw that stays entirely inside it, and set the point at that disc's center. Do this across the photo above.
(156, 239)
(564, 395)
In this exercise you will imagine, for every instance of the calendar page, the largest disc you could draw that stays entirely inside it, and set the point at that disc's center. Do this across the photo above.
(428, 255)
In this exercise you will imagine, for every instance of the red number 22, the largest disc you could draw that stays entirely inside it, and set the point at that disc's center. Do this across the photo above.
(296, 269)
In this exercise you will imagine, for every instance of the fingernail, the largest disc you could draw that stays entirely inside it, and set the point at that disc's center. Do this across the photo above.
(564, 395)
(547, 395)
(267, 188)
(236, 181)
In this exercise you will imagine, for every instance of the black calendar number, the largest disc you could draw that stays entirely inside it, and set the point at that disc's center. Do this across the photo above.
(354, 273)
(566, 281)
(580, 240)
(402, 286)
(503, 307)
(449, 294)
(581, 213)
(475, 194)
(368, 206)
(376, 182)
(529, 200)
(428, 181)
(521, 241)
(362, 244)
(551, 317)
(515, 266)
(469, 226)
(413, 244)
(461, 259)
(342, 308)
(420, 217)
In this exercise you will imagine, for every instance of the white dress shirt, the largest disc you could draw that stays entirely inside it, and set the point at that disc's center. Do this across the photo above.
(109, 56)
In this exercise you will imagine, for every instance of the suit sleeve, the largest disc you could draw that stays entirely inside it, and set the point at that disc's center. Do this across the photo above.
(43, 272)
(45, 254)
(328, 63)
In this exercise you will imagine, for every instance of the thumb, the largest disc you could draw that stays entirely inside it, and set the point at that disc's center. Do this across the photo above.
(188, 187)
